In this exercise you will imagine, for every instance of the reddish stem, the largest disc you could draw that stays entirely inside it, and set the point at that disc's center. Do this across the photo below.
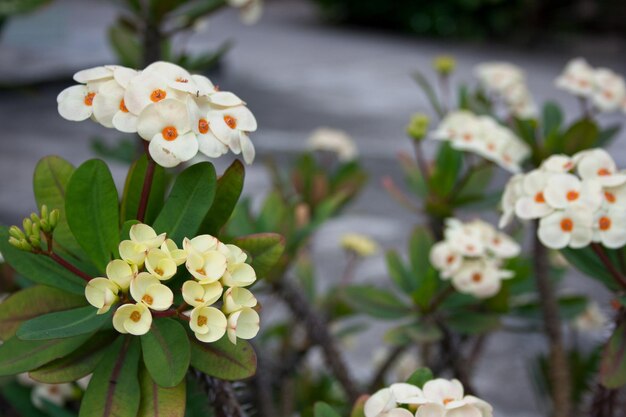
(147, 187)
(65, 264)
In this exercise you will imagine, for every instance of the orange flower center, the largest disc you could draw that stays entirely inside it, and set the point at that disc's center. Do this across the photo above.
(477, 277)
(567, 225)
(572, 195)
(450, 259)
(123, 106)
(203, 126)
(202, 320)
(603, 172)
(169, 133)
(467, 137)
(471, 248)
(447, 400)
(158, 95)
(158, 271)
(604, 223)
(135, 316)
(230, 121)
(610, 197)
(147, 299)
(89, 99)
(539, 198)
(182, 80)
(201, 271)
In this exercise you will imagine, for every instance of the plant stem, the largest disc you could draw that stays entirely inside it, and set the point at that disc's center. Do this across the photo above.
(65, 264)
(222, 397)
(317, 329)
(145, 191)
(601, 253)
(420, 161)
(558, 366)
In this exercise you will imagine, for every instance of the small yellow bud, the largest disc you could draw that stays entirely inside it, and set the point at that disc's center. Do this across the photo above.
(418, 126)
(36, 229)
(54, 218)
(28, 226)
(360, 244)
(35, 241)
(444, 64)
(34, 218)
(16, 232)
(21, 244)
(45, 225)
(44, 212)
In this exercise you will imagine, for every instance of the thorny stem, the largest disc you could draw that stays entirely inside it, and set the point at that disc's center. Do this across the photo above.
(147, 186)
(558, 366)
(222, 396)
(318, 332)
(617, 276)
(263, 383)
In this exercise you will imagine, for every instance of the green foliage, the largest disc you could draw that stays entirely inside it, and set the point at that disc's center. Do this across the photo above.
(92, 208)
(224, 360)
(63, 324)
(613, 366)
(324, 410)
(19, 397)
(376, 302)
(159, 401)
(166, 352)
(447, 168)
(265, 249)
(420, 377)
(133, 189)
(227, 193)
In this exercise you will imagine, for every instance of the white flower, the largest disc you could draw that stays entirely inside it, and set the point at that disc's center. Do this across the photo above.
(383, 404)
(250, 10)
(597, 164)
(231, 126)
(564, 190)
(135, 319)
(175, 77)
(615, 196)
(110, 109)
(512, 192)
(242, 324)
(610, 227)
(142, 239)
(464, 238)
(444, 398)
(76, 103)
(148, 290)
(148, 88)
(558, 164)
(102, 294)
(609, 90)
(196, 294)
(333, 140)
(237, 298)
(502, 245)
(479, 278)
(56, 394)
(577, 78)
(445, 259)
(238, 273)
(591, 319)
(208, 323)
(533, 204)
(498, 76)
(570, 227)
(208, 143)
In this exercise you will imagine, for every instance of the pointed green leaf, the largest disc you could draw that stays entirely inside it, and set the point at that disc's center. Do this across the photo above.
(404, 279)
(33, 302)
(114, 387)
(188, 203)
(446, 170)
(133, 189)
(224, 360)
(166, 352)
(64, 324)
(376, 302)
(265, 249)
(581, 135)
(39, 268)
(77, 364)
(91, 206)
(552, 118)
(322, 409)
(159, 401)
(227, 193)
(613, 365)
(420, 377)
(17, 356)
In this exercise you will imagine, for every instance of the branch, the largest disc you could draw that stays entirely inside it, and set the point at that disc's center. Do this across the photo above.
(147, 187)
(65, 264)
(318, 332)
(221, 396)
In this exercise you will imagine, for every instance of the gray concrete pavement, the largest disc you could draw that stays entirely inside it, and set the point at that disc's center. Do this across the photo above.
(296, 74)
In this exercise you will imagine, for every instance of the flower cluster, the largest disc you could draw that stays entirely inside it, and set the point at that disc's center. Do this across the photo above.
(484, 136)
(604, 89)
(438, 398)
(471, 256)
(178, 113)
(57, 394)
(148, 261)
(506, 82)
(578, 200)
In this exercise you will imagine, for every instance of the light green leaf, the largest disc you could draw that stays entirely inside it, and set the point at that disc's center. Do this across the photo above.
(420, 377)
(224, 360)
(64, 324)
(446, 170)
(166, 352)
(402, 277)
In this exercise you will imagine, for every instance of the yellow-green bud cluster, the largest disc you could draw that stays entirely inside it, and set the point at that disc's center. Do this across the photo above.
(28, 238)
(444, 64)
(418, 126)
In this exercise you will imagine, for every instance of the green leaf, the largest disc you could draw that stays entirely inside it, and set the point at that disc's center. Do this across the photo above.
(39, 268)
(166, 352)
(570, 307)
(581, 135)
(224, 360)
(473, 323)
(20, 399)
(415, 333)
(607, 135)
(227, 193)
(114, 386)
(17, 356)
(399, 273)
(321, 409)
(134, 187)
(92, 211)
(376, 302)
(126, 45)
(188, 203)
(33, 302)
(420, 377)
(552, 118)
(77, 364)
(52, 174)
(159, 401)
(265, 249)
(587, 262)
(613, 364)
(446, 170)
(419, 250)
(64, 324)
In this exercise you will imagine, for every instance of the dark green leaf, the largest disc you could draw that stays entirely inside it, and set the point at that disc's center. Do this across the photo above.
(63, 324)
(92, 211)
(227, 193)
(33, 302)
(322, 409)
(265, 250)
(607, 135)
(586, 261)
(126, 45)
(224, 360)
(581, 135)
(376, 302)
(552, 118)
(188, 203)
(402, 277)
(166, 352)
(570, 307)
(473, 323)
(420, 377)
(446, 170)
(613, 365)
(133, 189)
(114, 386)
(159, 401)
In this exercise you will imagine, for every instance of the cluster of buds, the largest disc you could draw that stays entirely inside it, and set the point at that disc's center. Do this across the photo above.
(29, 237)
(178, 113)
(438, 398)
(471, 256)
(577, 199)
(138, 282)
(485, 136)
(506, 82)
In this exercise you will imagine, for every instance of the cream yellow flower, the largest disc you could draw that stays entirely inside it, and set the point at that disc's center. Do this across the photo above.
(236, 298)
(160, 264)
(243, 324)
(178, 255)
(148, 290)
(121, 273)
(238, 273)
(142, 239)
(135, 319)
(360, 244)
(208, 323)
(102, 294)
(197, 295)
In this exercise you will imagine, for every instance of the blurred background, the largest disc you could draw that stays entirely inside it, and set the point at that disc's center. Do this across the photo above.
(345, 64)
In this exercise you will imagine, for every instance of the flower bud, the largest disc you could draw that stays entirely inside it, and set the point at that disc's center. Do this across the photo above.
(35, 241)
(21, 244)
(44, 212)
(16, 232)
(36, 229)
(418, 126)
(45, 226)
(27, 224)
(34, 218)
(444, 64)
(54, 218)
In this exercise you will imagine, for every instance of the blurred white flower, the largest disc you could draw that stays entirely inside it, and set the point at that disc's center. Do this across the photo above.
(333, 140)
(609, 90)
(591, 319)
(507, 82)
(577, 78)
(250, 10)
(56, 394)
